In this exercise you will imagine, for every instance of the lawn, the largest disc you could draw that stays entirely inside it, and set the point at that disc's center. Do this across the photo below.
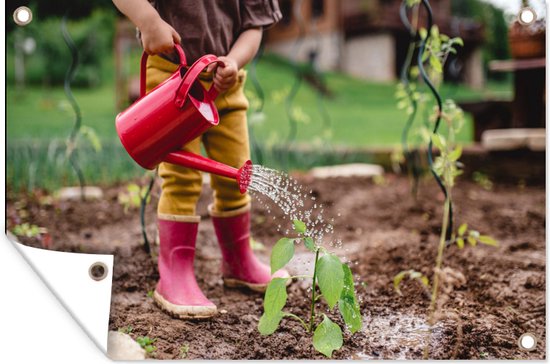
(361, 114)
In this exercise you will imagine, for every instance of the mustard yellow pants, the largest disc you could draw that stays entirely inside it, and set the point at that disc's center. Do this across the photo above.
(226, 143)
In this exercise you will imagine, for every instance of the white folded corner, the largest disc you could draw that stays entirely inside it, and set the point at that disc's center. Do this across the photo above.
(70, 277)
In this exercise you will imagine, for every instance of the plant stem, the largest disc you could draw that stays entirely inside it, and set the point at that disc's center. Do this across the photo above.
(313, 286)
(438, 264)
(288, 314)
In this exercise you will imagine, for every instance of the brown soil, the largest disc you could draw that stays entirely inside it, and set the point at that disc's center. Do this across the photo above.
(490, 296)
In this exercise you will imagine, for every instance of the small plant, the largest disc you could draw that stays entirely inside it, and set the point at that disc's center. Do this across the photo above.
(126, 330)
(27, 230)
(335, 282)
(184, 350)
(413, 275)
(434, 51)
(483, 180)
(150, 293)
(147, 344)
(131, 198)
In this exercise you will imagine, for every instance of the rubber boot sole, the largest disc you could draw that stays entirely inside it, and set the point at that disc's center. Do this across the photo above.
(184, 312)
(256, 287)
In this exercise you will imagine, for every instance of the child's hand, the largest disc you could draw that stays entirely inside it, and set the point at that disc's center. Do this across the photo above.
(226, 75)
(159, 37)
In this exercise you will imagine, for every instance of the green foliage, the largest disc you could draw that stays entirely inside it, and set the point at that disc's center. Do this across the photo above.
(348, 305)
(282, 253)
(49, 63)
(330, 277)
(27, 230)
(483, 180)
(184, 350)
(132, 197)
(147, 344)
(299, 226)
(327, 337)
(494, 22)
(269, 323)
(473, 237)
(335, 282)
(126, 330)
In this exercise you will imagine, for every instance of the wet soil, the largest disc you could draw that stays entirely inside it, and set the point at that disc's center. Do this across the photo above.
(490, 296)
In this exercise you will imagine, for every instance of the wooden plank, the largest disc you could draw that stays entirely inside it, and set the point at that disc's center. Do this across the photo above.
(517, 64)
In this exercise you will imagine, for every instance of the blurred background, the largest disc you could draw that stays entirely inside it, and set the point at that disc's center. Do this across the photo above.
(322, 89)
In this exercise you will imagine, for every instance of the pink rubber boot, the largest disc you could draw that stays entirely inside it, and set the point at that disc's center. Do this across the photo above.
(240, 267)
(177, 291)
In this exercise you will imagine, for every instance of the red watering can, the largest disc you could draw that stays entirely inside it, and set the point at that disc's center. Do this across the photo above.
(155, 127)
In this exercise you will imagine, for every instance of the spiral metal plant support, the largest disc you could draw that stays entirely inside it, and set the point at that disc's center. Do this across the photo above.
(411, 156)
(439, 101)
(143, 205)
(327, 123)
(69, 77)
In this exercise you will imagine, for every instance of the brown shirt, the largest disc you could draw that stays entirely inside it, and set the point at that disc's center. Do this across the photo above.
(212, 26)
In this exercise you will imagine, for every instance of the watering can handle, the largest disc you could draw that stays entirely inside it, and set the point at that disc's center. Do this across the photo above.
(143, 71)
(191, 76)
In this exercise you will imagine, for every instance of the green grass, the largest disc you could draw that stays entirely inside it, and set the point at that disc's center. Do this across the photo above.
(362, 114)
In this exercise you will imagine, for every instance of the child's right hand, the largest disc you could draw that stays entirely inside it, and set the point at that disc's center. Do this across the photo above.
(159, 37)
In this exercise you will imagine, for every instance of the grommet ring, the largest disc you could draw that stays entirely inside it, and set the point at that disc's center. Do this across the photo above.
(527, 16)
(527, 342)
(98, 271)
(22, 16)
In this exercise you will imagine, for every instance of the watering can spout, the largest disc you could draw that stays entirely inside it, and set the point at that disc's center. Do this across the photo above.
(190, 160)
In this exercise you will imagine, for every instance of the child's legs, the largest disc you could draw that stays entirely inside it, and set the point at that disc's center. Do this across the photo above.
(181, 187)
(228, 143)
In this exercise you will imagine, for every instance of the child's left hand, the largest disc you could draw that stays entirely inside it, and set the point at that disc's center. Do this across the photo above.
(226, 75)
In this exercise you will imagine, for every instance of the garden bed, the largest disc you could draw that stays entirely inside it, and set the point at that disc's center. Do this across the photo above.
(497, 293)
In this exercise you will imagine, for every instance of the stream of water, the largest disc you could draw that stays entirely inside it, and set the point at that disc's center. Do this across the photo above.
(291, 197)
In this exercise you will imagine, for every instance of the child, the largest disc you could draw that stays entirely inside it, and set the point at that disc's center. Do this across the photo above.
(232, 30)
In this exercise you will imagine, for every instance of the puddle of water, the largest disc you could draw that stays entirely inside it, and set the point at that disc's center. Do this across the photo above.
(397, 336)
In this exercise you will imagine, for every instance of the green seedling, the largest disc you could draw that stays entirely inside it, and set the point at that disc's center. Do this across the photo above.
(434, 51)
(126, 330)
(131, 198)
(147, 344)
(184, 350)
(27, 230)
(483, 181)
(335, 283)
(150, 293)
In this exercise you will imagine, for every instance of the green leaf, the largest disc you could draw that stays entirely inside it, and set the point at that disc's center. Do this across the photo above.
(435, 62)
(472, 241)
(423, 33)
(439, 141)
(281, 254)
(299, 226)
(330, 277)
(487, 240)
(92, 137)
(455, 154)
(462, 229)
(397, 281)
(308, 242)
(460, 243)
(275, 296)
(269, 323)
(349, 308)
(327, 337)
(458, 41)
